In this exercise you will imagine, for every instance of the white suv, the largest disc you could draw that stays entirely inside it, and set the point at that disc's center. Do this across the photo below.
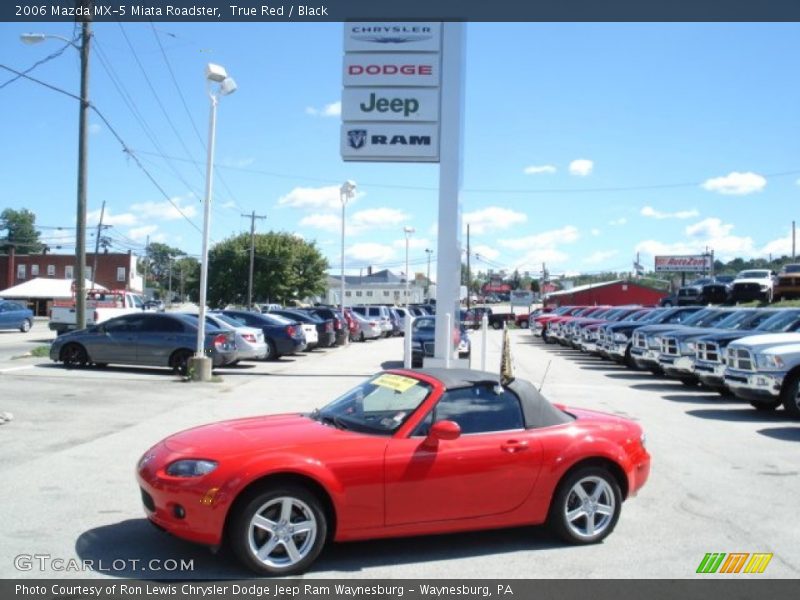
(380, 314)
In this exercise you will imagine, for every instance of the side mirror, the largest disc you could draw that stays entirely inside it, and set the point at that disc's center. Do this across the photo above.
(442, 430)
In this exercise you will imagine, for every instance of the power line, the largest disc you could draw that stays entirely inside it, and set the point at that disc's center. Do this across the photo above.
(38, 63)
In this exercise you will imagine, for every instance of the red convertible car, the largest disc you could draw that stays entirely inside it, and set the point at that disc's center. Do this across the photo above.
(407, 452)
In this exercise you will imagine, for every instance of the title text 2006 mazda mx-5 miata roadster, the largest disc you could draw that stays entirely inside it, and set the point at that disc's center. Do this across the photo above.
(404, 453)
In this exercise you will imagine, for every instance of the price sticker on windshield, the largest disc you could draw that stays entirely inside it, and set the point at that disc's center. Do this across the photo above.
(398, 383)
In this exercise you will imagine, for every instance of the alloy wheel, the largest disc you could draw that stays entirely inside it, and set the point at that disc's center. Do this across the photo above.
(282, 532)
(589, 507)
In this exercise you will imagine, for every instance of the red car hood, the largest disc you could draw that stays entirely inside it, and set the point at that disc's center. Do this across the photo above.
(252, 434)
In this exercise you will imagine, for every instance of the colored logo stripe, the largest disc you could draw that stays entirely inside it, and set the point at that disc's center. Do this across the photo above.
(711, 562)
(734, 562)
(714, 562)
(758, 562)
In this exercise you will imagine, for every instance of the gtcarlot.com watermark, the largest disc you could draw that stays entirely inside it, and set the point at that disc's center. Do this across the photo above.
(48, 562)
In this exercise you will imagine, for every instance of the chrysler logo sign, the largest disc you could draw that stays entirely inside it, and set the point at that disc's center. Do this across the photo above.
(398, 37)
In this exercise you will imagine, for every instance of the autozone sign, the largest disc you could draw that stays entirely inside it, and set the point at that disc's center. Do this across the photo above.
(391, 70)
(699, 263)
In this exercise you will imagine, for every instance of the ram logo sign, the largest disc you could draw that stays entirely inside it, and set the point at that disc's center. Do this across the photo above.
(734, 562)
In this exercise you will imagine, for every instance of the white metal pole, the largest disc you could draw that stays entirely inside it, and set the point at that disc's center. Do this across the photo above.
(407, 234)
(448, 255)
(484, 341)
(448, 318)
(201, 321)
(408, 321)
(343, 197)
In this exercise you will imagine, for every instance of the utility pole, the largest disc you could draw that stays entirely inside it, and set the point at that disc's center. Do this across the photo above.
(428, 251)
(183, 295)
(252, 216)
(146, 265)
(169, 294)
(83, 158)
(100, 228)
(469, 274)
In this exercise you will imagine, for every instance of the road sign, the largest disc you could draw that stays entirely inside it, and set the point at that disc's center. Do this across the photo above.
(390, 142)
(385, 69)
(390, 104)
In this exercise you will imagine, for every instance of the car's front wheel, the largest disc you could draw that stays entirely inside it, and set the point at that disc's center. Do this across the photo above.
(179, 361)
(790, 396)
(280, 531)
(586, 506)
(74, 355)
(25, 327)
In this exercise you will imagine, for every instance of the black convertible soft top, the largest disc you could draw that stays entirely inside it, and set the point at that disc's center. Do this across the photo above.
(536, 409)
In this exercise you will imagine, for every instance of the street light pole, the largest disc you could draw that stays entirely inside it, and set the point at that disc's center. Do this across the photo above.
(428, 251)
(214, 74)
(408, 231)
(346, 192)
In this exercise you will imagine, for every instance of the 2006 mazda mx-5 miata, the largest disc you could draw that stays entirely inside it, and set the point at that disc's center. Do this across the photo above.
(407, 452)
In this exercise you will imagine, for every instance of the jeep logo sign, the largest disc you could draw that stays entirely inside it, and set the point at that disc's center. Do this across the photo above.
(390, 104)
(378, 141)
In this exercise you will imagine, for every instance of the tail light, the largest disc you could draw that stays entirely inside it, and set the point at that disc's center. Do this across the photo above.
(249, 337)
(290, 330)
(373, 323)
(95, 316)
(328, 326)
(220, 340)
(338, 324)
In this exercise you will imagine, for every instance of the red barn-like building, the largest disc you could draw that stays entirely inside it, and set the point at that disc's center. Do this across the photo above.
(613, 293)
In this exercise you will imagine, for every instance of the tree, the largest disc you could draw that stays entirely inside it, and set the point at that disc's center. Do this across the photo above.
(20, 226)
(286, 268)
(186, 278)
(157, 260)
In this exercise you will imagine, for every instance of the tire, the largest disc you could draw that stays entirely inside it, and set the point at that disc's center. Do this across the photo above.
(790, 396)
(497, 325)
(768, 297)
(571, 515)
(524, 324)
(179, 361)
(362, 338)
(233, 364)
(272, 353)
(270, 519)
(74, 356)
(100, 365)
(690, 383)
(766, 406)
(25, 327)
(628, 360)
(667, 304)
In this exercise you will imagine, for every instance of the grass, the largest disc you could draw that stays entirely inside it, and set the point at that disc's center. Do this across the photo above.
(760, 304)
(38, 352)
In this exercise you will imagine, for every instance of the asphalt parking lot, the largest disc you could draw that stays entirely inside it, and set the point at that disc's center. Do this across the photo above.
(724, 476)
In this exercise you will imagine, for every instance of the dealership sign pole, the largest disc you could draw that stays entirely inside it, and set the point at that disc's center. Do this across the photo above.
(403, 101)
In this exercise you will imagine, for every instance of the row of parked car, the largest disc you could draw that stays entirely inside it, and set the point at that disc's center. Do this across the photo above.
(169, 339)
(752, 353)
(752, 284)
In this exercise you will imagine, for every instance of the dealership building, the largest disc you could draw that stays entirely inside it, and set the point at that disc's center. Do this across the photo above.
(613, 293)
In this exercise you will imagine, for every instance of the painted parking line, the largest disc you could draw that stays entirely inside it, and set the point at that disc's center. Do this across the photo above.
(10, 369)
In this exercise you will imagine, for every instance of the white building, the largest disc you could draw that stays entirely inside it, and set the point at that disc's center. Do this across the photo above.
(381, 287)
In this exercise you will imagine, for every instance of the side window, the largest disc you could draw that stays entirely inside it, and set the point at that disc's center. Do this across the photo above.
(161, 325)
(129, 324)
(480, 410)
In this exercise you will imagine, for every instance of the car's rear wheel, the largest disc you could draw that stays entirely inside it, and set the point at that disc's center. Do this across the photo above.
(586, 506)
(280, 531)
(524, 324)
(497, 325)
(74, 355)
(790, 396)
(179, 361)
(271, 354)
(25, 327)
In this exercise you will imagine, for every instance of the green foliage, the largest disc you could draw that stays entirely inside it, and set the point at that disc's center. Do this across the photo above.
(286, 268)
(20, 227)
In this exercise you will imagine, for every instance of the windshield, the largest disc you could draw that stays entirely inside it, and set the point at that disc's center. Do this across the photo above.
(791, 269)
(753, 275)
(424, 324)
(277, 319)
(780, 322)
(229, 320)
(378, 406)
(735, 320)
(700, 317)
(137, 301)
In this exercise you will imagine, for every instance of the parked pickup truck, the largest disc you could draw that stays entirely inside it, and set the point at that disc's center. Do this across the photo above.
(753, 284)
(100, 306)
(788, 284)
(765, 370)
(496, 320)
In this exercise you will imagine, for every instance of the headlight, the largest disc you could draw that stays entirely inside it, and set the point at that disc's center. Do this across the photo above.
(416, 344)
(620, 337)
(764, 287)
(191, 468)
(769, 362)
(688, 347)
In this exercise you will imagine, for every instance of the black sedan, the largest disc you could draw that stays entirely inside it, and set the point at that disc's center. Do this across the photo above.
(423, 334)
(326, 333)
(145, 339)
(283, 336)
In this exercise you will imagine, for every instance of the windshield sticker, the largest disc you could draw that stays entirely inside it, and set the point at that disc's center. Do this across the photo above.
(398, 383)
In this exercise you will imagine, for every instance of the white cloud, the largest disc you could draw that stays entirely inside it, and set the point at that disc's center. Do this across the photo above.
(370, 252)
(595, 232)
(548, 239)
(618, 222)
(649, 211)
(379, 218)
(709, 228)
(485, 252)
(167, 211)
(780, 247)
(125, 219)
(229, 204)
(326, 222)
(537, 169)
(141, 233)
(581, 167)
(326, 197)
(600, 256)
(413, 244)
(532, 261)
(334, 109)
(492, 218)
(736, 184)
(709, 233)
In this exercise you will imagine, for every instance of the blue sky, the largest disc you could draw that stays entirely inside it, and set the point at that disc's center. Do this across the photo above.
(584, 143)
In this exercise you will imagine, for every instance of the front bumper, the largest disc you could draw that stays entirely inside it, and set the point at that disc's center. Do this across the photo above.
(645, 358)
(677, 366)
(750, 385)
(710, 374)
